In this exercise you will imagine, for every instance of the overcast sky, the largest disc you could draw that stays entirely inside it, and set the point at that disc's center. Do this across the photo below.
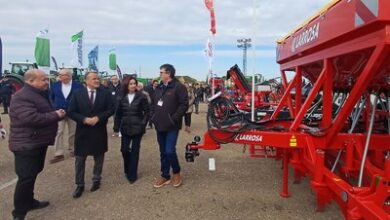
(148, 33)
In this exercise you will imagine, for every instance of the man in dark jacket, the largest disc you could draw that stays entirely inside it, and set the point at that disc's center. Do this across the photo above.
(90, 107)
(170, 103)
(198, 97)
(114, 88)
(61, 93)
(33, 126)
(6, 90)
(150, 89)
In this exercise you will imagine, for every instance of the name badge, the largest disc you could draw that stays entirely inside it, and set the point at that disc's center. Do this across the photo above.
(160, 103)
(113, 93)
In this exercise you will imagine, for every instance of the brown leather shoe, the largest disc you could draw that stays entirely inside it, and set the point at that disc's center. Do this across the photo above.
(176, 180)
(161, 182)
(57, 159)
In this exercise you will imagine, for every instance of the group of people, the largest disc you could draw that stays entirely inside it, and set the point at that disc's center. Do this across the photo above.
(38, 118)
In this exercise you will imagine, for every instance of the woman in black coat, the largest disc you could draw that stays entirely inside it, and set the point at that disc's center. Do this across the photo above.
(131, 117)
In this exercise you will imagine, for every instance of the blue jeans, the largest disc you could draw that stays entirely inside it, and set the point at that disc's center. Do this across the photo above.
(168, 157)
(130, 155)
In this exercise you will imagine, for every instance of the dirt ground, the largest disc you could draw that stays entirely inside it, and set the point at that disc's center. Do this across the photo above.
(240, 188)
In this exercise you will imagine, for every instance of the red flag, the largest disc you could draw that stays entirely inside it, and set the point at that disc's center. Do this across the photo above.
(210, 7)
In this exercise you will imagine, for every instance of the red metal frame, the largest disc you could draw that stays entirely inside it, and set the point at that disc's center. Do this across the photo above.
(353, 58)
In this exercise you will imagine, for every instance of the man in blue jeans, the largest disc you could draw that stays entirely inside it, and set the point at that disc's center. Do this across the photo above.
(169, 104)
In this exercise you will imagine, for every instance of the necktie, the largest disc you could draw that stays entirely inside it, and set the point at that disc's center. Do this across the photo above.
(91, 98)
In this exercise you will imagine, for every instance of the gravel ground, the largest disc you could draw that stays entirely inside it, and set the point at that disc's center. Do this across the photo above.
(240, 188)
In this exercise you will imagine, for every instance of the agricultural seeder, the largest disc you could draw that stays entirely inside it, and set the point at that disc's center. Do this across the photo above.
(339, 134)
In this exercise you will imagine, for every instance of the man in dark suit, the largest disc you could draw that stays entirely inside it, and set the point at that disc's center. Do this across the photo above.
(33, 126)
(90, 107)
(61, 93)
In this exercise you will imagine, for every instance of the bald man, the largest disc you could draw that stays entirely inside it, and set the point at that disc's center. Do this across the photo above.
(33, 127)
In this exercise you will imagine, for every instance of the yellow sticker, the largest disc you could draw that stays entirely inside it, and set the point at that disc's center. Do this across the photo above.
(293, 141)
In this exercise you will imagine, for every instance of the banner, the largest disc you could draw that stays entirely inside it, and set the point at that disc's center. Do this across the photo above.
(209, 53)
(77, 50)
(55, 62)
(42, 48)
(119, 72)
(210, 6)
(1, 58)
(112, 59)
(93, 58)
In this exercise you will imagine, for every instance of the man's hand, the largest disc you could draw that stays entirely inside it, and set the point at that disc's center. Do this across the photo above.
(95, 120)
(61, 113)
(91, 121)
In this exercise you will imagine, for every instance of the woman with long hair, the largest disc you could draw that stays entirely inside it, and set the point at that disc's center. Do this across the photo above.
(130, 118)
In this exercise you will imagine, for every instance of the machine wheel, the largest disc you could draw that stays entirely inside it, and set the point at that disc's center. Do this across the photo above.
(16, 82)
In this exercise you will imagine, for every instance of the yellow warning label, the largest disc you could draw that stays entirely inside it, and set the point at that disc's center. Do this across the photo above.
(293, 141)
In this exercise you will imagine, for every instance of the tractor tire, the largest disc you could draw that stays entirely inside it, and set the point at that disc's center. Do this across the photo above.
(17, 82)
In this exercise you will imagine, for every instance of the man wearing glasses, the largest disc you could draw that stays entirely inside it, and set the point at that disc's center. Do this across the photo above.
(169, 104)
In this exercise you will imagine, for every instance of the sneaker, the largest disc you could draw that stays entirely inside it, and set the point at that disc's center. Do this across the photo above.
(161, 182)
(57, 159)
(176, 180)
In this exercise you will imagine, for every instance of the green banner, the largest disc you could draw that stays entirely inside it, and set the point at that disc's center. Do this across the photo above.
(112, 60)
(42, 51)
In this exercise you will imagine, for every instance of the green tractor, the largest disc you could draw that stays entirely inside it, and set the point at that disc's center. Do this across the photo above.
(15, 75)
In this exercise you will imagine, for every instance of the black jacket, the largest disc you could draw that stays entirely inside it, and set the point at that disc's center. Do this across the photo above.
(169, 104)
(115, 92)
(6, 88)
(91, 140)
(131, 118)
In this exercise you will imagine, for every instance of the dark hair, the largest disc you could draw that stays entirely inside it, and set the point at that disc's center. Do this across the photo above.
(169, 68)
(89, 72)
(125, 84)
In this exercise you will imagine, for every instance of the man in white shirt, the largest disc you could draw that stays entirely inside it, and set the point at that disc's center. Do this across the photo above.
(61, 93)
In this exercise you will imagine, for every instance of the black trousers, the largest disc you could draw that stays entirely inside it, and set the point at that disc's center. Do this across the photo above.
(80, 169)
(28, 164)
(187, 119)
(130, 148)
(6, 99)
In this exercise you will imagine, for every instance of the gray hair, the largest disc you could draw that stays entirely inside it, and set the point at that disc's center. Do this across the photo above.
(66, 71)
(89, 72)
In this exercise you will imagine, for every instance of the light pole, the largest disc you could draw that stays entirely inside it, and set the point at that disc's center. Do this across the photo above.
(244, 44)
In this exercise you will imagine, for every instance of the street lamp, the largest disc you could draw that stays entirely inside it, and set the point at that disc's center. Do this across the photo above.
(244, 44)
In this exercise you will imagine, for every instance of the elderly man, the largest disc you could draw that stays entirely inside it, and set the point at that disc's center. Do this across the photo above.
(61, 93)
(90, 107)
(33, 127)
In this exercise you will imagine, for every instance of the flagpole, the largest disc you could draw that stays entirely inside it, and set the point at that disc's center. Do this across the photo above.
(254, 60)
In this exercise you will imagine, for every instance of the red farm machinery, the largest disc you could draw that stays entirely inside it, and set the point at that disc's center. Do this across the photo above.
(339, 134)
(264, 98)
